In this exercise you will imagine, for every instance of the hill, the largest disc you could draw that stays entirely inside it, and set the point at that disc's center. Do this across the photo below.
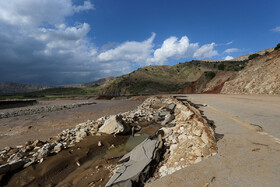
(12, 88)
(188, 77)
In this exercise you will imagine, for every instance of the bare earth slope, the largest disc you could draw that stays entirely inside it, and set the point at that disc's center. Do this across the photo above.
(261, 76)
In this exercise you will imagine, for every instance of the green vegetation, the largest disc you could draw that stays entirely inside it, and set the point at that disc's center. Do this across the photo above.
(277, 47)
(221, 67)
(210, 74)
(253, 56)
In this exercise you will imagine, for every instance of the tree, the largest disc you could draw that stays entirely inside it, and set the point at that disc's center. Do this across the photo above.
(277, 47)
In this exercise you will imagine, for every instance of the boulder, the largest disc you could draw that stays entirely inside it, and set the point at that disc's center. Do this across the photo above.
(58, 147)
(114, 125)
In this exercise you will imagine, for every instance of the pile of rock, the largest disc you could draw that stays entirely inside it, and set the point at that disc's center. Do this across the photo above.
(189, 141)
(30, 111)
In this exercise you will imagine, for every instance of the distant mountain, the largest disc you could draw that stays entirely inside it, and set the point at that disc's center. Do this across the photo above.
(12, 88)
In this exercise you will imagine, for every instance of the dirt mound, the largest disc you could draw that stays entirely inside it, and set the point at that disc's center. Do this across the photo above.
(261, 76)
(217, 83)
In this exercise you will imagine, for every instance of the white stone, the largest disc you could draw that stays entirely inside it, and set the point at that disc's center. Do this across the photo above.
(111, 126)
(204, 137)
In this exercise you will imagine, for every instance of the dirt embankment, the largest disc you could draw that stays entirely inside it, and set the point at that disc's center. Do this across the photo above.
(216, 84)
(261, 76)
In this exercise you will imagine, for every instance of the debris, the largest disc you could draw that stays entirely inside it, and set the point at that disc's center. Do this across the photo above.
(99, 144)
(136, 166)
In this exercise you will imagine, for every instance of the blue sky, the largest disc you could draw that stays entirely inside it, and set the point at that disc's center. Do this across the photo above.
(57, 42)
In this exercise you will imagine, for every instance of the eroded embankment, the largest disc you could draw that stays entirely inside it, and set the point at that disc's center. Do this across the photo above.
(88, 154)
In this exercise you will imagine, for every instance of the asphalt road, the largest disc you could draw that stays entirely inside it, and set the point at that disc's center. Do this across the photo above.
(247, 154)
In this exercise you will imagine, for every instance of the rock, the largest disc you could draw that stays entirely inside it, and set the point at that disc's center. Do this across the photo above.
(168, 118)
(198, 152)
(167, 131)
(182, 138)
(14, 165)
(80, 135)
(28, 143)
(136, 166)
(171, 107)
(99, 144)
(204, 137)
(43, 152)
(37, 143)
(58, 148)
(162, 113)
(113, 125)
(29, 148)
(12, 151)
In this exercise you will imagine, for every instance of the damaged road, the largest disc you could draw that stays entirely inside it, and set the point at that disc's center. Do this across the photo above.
(247, 156)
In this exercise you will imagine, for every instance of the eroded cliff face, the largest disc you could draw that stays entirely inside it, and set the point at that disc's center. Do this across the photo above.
(261, 76)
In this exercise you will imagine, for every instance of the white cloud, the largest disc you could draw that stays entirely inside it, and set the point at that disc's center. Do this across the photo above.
(130, 51)
(206, 51)
(276, 29)
(34, 12)
(86, 6)
(231, 50)
(229, 58)
(229, 43)
(173, 48)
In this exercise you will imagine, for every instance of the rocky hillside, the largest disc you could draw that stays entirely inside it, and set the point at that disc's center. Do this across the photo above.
(261, 76)
(188, 77)
(11, 88)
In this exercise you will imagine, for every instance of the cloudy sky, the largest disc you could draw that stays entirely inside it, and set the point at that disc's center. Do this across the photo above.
(58, 42)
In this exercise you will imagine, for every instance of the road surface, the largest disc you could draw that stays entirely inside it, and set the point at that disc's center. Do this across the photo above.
(248, 153)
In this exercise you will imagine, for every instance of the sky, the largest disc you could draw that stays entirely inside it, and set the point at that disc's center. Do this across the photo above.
(59, 42)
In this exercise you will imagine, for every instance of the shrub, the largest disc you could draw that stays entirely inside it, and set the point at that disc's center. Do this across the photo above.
(221, 67)
(277, 47)
(253, 56)
(210, 74)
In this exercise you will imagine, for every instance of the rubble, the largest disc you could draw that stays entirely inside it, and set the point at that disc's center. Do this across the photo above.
(137, 164)
(187, 139)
